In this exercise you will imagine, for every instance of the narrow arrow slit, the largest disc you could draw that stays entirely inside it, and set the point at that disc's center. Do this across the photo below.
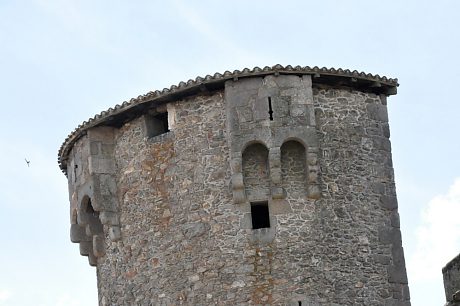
(270, 110)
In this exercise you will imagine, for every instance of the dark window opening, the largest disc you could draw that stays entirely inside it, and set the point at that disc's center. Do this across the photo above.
(270, 110)
(300, 303)
(260, 215)
(90, 210)
(156, 124)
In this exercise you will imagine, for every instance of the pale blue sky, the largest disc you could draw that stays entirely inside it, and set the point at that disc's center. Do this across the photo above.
(63, 61)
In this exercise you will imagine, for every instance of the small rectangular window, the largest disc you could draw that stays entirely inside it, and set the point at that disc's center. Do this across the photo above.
(260, 215)
(156, 124)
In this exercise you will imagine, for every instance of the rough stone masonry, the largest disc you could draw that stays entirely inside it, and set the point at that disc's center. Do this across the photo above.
(269, 186)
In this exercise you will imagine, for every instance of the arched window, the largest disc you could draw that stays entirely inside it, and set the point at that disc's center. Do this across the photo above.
(256, 172)
(293, 168)
(90, 218)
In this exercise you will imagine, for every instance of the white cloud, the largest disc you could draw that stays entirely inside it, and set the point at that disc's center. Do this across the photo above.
(4, 296)
(438, 236)
(67, 300)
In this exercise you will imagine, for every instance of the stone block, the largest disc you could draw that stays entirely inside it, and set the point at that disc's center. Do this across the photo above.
(193, 230)
(114, 233)
(98, 245)
(78, 233)
(388, 235)
(237, 181)
(86, 247)
(107, 149)
(286, 81)
(312, 159)
(107, 184)
(98, 165)
(406, 292)
(382, 143)
(397, 275)
(281, 106)
(275, 157)
(313, 192)
(297, 110)
(244, 114)
(389, 202)
(279, 206)
(92, 259)
(265, 92)
(275, 176)
(109, 218)
(263, 236)
(236, 164)
(278, 193)
(386, 130)
(239, 196)
(397, 253)
(312, 177)
(381, 259)
(246, 221)
(394, 219)
(378, 188)
(377, 112)
(102, 133)
(94, 147)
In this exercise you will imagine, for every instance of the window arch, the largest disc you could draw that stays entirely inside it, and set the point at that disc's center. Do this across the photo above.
(294, 168)
(90, 217)
(256, 176)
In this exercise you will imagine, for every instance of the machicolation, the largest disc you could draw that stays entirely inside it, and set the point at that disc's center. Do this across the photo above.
(269, 186)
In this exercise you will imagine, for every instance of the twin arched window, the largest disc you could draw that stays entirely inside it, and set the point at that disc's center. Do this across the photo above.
(257, 182)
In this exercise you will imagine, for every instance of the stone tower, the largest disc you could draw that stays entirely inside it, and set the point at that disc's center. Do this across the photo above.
(269, 186)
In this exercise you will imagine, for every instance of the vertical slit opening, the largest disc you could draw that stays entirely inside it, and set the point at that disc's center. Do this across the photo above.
(270, 109)
(75, 173)
(260, 215)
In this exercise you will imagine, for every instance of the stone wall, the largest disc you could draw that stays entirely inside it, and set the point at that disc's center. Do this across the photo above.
(183, 201)
(451, 276)
(358, 189)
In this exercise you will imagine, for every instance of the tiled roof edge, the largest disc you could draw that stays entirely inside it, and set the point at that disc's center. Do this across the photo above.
(216, 78)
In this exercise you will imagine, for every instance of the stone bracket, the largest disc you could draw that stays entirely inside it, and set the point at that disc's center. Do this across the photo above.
(94, 201)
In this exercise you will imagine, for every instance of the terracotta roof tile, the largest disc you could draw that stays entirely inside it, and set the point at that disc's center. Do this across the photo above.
(369, 80)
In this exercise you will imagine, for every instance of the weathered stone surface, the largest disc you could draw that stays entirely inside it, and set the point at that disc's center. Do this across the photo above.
(389, 202)
(390, 235)
(78, 234)
(175, 209)
(451, 276)
(397, 270)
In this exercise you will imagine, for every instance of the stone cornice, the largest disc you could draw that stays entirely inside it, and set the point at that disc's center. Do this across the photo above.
(128, 110)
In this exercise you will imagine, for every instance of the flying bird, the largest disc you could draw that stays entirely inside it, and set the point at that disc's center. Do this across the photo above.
(27, 161)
